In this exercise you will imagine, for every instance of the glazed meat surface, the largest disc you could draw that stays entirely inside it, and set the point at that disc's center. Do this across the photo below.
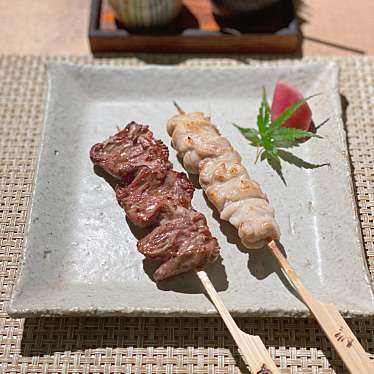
(153, 195)
(128, 151)
(183, 243)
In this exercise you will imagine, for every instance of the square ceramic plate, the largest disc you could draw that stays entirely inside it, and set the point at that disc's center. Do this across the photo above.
(80, 253)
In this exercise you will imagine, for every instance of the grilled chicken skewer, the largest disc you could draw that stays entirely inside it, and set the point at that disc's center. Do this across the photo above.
(240, 201)
(223, 177)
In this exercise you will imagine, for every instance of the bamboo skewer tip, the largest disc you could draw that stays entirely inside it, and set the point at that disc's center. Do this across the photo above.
(179, 109)
(330, 320)
(251, 346)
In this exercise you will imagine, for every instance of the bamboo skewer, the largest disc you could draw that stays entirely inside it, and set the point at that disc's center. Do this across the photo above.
(333, 324)
(251, 346)
(327, 315)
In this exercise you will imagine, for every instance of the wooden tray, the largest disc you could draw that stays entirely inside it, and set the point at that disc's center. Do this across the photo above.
(198, 30)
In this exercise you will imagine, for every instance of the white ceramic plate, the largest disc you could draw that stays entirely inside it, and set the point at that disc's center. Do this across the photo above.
(80, 253)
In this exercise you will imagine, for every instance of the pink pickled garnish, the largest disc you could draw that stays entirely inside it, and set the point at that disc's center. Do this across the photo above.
(284, 96)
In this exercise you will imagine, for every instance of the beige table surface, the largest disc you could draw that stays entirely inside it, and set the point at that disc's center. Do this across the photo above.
(331, 27)
(146, 345)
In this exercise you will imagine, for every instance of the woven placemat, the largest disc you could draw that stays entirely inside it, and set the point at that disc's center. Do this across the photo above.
(162, 345)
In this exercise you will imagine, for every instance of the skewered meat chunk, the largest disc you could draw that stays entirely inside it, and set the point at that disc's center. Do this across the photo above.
(131, 149)
(227, 181)
(153, 195)
(254, 219)
(224, 178)
(220, 169)
(182, 242)
(189, 134)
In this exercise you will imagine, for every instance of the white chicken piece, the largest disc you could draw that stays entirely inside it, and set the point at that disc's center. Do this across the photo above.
(225, 180)
(220, 168)
(254, 219)
(196, 138)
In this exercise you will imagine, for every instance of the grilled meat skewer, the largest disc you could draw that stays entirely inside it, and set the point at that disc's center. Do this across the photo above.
(225, 180)
(153, 195)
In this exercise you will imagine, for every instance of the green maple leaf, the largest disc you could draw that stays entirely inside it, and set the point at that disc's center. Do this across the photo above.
(271, 139)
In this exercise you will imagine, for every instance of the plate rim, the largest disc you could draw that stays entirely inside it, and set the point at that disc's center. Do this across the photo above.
(49, 101)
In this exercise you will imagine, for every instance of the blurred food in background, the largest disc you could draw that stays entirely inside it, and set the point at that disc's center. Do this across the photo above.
(234, 7)
(146, 13)
(253, 16)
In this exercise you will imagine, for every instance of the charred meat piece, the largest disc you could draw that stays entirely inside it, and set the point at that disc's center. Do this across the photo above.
(153, 194)
(125, 153)
(182, 243)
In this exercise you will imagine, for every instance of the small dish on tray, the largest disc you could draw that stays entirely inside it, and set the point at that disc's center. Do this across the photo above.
(80, 253)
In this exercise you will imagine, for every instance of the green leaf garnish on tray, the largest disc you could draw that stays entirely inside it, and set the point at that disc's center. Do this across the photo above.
(270, 137)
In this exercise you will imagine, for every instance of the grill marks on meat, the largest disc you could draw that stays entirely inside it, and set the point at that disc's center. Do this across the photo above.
(154, 195)
(128, 151)
(181, 243)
